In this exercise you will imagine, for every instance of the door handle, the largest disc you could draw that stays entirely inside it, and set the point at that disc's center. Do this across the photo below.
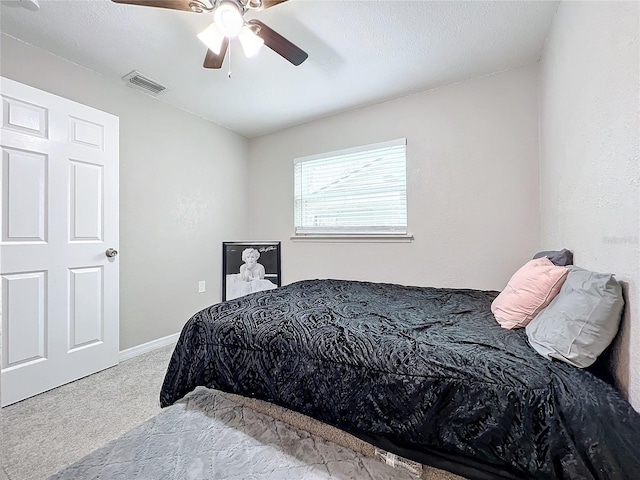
(111, 252)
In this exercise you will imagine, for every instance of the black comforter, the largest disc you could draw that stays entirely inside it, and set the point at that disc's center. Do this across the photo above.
(424, 372)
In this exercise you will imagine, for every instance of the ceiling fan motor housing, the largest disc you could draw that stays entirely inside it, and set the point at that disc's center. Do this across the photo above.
(228, 18)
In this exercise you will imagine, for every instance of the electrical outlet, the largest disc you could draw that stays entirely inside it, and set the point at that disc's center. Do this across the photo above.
(201, 286)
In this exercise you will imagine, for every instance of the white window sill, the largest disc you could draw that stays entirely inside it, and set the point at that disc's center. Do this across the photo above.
(369, 238)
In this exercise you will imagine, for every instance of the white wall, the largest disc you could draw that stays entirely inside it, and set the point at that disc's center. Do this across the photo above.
(590, 156)
(179, 178)
(472, 158)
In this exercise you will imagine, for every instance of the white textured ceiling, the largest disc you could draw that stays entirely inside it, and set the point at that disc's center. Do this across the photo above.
(360, 52)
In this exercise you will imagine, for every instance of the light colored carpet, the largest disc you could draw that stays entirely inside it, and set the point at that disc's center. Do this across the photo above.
(44, 434)
(207, 436)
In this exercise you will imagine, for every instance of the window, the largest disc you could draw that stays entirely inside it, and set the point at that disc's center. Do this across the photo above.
(358, 191)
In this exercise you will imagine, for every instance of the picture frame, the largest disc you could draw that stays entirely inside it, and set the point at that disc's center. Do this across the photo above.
(249, 267)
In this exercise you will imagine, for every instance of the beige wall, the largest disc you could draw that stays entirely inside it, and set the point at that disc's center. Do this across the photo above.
(179, 182)
(472, 161)
(590, 156)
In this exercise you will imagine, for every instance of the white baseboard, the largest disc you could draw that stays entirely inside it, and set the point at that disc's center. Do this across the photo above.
(148, 347)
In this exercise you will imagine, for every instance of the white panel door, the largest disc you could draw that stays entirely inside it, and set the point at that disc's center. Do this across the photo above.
(59, 215)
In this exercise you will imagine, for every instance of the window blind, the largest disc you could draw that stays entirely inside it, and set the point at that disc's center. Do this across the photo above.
(360, 190)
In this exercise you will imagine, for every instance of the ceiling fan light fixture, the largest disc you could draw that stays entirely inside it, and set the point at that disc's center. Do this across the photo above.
(250, 42)
(212, 37)
(32, 5)
(228, 18)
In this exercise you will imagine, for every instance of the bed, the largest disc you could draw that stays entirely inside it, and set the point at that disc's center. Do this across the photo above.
(426, 373)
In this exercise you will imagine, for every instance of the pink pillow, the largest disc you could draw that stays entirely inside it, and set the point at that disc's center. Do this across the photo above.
(530, 290)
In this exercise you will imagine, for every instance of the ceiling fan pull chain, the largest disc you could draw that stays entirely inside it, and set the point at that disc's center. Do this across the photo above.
(229, 74)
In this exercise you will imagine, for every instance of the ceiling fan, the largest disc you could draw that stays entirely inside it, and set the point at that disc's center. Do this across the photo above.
(229, 22)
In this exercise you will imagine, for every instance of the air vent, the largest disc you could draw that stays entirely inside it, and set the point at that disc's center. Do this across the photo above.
(137, 80)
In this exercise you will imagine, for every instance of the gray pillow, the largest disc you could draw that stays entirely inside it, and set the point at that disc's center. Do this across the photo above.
(561, 258)
(581, 321)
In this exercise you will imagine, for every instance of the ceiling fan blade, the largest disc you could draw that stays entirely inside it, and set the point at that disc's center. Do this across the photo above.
(279, 44)
(270, 3)
(213, 60)
(172, 4)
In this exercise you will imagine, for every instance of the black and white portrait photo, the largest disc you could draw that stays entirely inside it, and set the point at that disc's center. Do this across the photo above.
(249, 268)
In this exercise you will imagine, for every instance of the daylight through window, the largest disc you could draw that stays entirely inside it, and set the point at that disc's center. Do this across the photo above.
(361, 190)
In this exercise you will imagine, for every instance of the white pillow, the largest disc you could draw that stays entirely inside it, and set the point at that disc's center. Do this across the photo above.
(581, 321)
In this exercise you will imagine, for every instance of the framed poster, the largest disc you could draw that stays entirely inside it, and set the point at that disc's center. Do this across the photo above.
(249, 267)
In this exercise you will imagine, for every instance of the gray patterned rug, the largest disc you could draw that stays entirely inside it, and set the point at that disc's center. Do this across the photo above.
(208, 436)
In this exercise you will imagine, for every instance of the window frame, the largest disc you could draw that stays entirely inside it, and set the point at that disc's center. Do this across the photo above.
(353, 236)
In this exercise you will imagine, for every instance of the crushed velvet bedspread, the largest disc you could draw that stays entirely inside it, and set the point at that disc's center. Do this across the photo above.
(424, 367)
